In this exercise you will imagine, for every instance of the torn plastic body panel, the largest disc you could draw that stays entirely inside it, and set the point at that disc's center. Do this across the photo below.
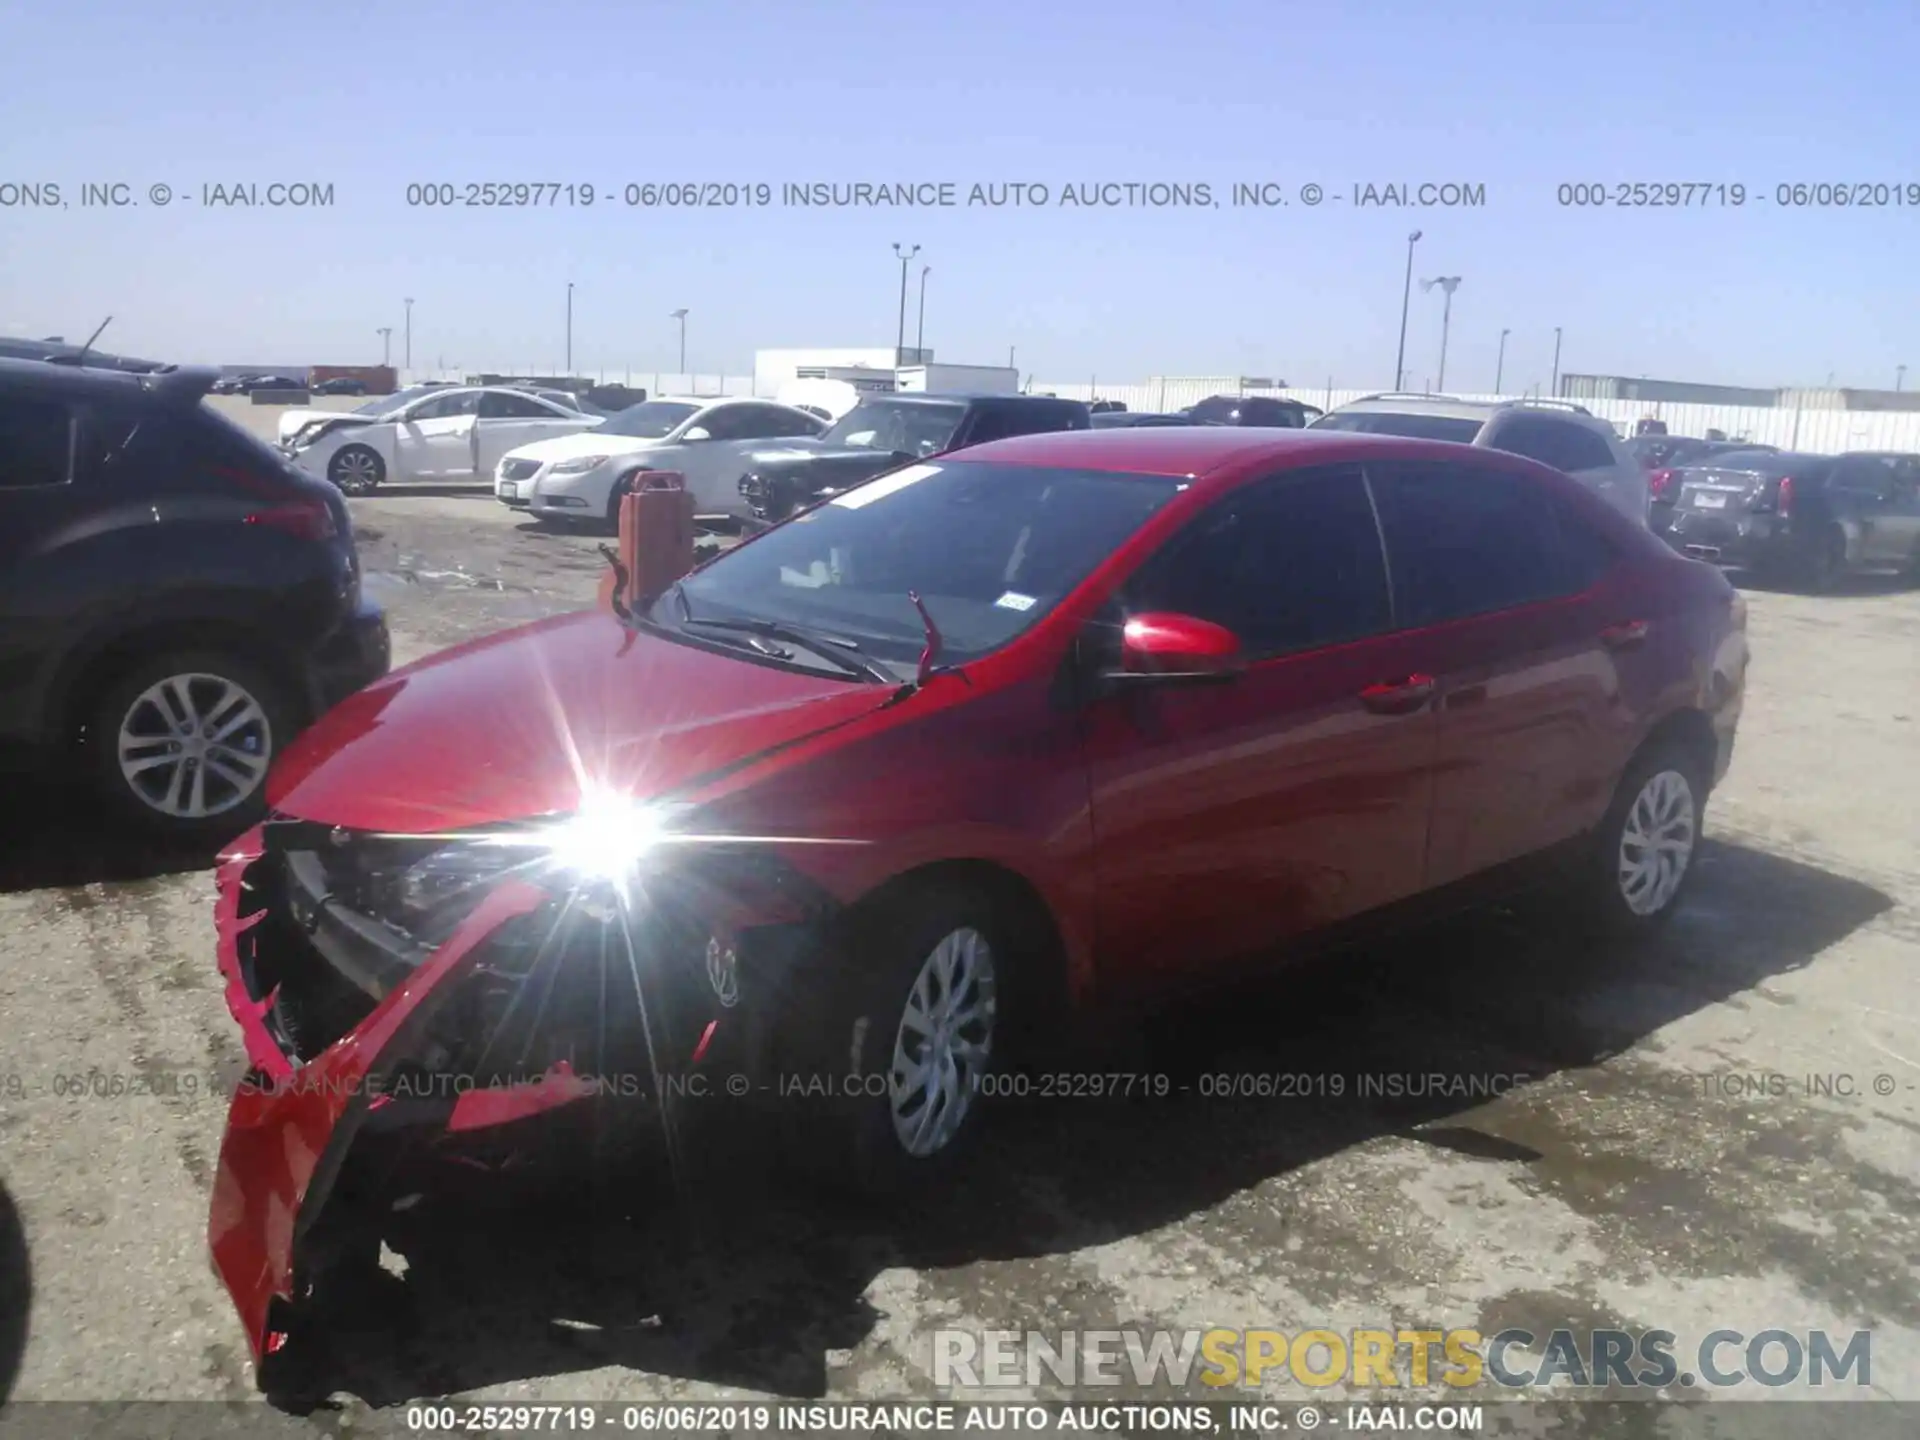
(534, 1001)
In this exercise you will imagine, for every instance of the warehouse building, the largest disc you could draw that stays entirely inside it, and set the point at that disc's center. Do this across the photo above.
(1686, 392)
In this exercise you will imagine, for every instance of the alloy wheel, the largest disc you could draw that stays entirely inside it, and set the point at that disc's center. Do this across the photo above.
(944, 1043)
(1656, 842)
(194, 746)
(356, 471)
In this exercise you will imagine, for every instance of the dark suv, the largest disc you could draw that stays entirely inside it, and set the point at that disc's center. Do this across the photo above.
(1265, 411)
(176, 600)
(1808, 518)
(890, 430)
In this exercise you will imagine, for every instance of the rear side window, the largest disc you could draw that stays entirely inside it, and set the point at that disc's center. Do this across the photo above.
(496, 405)
(1287, 564)
(1464, 541)
(36, 443)
(1864, 475)
(1002, 422)
(1553, 442)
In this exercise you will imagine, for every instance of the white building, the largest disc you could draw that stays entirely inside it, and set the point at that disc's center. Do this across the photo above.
(871, 368)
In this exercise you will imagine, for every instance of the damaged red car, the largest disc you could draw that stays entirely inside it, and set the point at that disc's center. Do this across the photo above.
(868, 805)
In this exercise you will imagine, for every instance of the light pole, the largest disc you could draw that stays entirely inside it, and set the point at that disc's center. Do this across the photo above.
(1899, 377)
(1406, 298)
(407, 353)
(900, 341)
(1500, 365)
(920, 337)
(385, 332)
(681, 316)
(1448, 284)
(569, 329)
(1556, 361)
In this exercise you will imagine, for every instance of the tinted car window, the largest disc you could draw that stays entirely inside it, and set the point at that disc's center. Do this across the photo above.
(770, 422)
(497, 406)
(1287, 564)
(1553, 442)
(1413, 427)
(989, 548)
(1001, 422)
(1465, 541)
(1867, 475)
(36, 443)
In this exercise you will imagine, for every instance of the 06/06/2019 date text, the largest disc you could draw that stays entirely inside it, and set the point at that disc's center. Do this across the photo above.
(1714, 194)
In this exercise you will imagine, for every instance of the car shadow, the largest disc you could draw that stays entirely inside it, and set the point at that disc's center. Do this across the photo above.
(16, 1293)
(725, 1280)
(55, 833)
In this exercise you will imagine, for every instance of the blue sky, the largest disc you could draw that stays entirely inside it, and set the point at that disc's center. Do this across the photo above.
(1517, 97)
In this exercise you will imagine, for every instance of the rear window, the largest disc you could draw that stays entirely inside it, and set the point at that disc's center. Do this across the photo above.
(1411, 427)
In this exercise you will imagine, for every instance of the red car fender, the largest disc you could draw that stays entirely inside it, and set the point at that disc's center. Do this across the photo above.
(285, 1139)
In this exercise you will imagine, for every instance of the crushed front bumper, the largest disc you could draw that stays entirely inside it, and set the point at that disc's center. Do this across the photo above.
(369, 1051)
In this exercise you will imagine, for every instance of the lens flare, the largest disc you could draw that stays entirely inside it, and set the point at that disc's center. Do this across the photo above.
(607, 837)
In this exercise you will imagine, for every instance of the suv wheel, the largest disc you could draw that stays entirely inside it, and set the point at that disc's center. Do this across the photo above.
(182, 742)
(1828, 562)
(1644, 849)
(357, 470)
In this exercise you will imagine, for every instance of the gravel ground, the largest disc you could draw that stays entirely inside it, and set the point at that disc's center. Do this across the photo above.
(1634, 1179)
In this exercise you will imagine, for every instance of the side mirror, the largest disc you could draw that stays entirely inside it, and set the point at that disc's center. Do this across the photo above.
(698, 432)
(1168, 649)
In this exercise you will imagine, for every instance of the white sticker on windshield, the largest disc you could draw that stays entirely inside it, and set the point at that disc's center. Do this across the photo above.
(886, 485)
(1014, 600)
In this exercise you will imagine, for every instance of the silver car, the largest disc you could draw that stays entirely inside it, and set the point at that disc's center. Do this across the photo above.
(1559, 433)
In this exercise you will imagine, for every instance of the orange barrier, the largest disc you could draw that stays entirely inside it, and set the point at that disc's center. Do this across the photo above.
(656, 537)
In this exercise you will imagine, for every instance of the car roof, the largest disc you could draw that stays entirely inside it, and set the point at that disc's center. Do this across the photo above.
(1455, 408)
(967, 397)
(63, 379)
(1198, 451)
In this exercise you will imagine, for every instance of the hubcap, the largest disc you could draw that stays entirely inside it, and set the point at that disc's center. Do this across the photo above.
(1656, 844)
(944, 1043)
(356, 471)
(194, 746)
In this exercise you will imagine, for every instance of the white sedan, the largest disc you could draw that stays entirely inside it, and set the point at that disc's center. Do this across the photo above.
(445, 434)
(578, 477)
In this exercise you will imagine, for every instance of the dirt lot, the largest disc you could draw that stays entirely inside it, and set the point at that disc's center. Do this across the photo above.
(1634, 1178)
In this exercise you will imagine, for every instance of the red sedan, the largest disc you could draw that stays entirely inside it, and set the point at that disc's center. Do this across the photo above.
(861, 807)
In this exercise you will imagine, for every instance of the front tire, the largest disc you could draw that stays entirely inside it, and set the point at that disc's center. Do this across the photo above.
(1645, 849)
(906, 1041)
(357, 470)
(181, 743)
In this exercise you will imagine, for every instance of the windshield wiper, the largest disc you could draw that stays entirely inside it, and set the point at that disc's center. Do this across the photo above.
(831, 648)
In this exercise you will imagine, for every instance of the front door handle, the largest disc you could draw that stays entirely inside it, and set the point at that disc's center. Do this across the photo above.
(1625, 635)
(1398, 697)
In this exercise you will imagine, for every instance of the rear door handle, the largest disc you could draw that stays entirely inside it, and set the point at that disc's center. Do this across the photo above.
(1625, 635)
(1398, 697)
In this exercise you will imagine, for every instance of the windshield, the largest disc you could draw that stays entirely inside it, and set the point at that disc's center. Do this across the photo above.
(649, 420)
(906, 428)
(1411, 427)
(989, 548)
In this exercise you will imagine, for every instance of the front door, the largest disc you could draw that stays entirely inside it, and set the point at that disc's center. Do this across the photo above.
(1231, 817)
(434, 440)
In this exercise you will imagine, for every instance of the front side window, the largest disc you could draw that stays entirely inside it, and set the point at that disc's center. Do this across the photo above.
(450, 406)
(1287, 564)
(990, 549)
(497, 405)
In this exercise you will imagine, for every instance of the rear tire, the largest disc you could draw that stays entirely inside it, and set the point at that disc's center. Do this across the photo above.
(1828, 563)
(1644, 852)
(180, 744)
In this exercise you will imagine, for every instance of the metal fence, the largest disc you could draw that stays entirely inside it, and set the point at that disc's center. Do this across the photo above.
(1824, 432)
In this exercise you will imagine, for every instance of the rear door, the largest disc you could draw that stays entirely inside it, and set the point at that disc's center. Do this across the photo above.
(1231, 817)
(1500, 582)
(1860, 493)
(1902, 519)
(39, 506)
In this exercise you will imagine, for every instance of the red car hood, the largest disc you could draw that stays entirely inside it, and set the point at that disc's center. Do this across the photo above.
(513, 725)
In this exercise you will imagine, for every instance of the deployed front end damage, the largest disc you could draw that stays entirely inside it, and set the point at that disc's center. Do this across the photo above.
(405, 999)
